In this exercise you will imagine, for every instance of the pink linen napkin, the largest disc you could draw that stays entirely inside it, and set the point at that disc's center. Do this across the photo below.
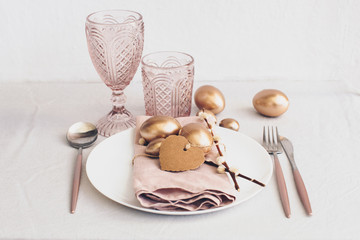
(192, 190)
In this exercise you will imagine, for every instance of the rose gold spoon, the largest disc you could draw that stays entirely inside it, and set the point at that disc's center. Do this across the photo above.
(80, 135)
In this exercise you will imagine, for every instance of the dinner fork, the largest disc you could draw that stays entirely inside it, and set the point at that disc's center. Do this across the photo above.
(271, 142)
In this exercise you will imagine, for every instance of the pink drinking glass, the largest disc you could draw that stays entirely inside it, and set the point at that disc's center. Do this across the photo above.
(115, 41)
(167, 83)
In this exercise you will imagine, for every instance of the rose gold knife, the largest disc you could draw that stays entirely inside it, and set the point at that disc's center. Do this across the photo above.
(300, 186)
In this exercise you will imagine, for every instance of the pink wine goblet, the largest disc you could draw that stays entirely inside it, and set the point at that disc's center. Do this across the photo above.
(115, 40)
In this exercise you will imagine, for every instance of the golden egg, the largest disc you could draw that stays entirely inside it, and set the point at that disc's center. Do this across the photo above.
(153, 148)
(198, 136)
(159, 127)
(230, 123)
(271, 102)
(210, 98)
(210, 113)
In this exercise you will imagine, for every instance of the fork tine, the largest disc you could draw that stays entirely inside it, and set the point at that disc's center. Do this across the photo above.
(278, 140)
(274, 137)
(277, 136)
(270, 136)
(264, 135)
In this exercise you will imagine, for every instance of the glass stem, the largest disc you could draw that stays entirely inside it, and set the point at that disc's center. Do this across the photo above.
(118, 100)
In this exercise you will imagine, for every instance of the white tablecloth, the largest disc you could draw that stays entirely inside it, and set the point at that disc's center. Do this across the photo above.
(36, 166)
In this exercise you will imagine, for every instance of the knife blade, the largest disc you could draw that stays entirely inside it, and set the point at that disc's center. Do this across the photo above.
(300, 186)
(289, 151)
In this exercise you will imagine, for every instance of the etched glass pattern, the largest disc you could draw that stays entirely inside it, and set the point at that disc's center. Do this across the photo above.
(115, 42)
(167, 83)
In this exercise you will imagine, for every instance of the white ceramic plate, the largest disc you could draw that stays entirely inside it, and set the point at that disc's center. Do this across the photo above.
(110, 171)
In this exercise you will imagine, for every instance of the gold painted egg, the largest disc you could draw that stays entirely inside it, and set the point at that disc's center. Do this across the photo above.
(198, 136)
(210, 98)
(159, 127)
(230, 123)
(271, 102)
(153, 148)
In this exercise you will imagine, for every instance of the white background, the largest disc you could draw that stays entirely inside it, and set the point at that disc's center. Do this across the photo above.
(42, 40)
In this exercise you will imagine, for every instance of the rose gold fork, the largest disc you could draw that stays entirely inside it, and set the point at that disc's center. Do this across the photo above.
(271, 142)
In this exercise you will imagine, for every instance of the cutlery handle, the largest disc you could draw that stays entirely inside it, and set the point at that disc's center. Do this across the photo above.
(300, 187)
(282, 187)
(76, 181)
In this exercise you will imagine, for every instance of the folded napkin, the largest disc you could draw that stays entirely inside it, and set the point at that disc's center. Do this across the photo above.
(192, 190)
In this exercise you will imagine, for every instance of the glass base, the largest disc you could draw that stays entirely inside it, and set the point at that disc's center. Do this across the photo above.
(114, 122)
